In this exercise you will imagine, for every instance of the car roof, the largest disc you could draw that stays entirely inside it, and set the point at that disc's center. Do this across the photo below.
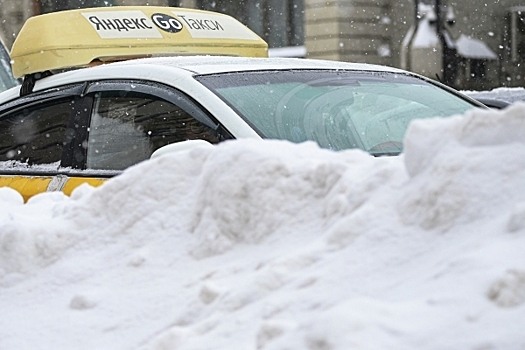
(224, 64)
(160, 67)
(163, 69)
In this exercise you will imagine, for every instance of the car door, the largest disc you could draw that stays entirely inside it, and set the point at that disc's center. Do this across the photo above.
(129, 120)
(58, 139)
(36, 138)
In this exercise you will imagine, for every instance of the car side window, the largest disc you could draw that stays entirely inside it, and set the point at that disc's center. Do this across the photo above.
(126, 128)
(35, 135)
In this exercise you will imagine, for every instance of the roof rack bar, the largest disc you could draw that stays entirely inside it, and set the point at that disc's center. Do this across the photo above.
(30, 80)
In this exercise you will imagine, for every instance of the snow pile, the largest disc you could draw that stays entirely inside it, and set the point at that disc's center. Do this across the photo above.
(270, 245)
(509, 95)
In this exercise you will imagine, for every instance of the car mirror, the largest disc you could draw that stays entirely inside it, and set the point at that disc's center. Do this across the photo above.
(180, 146)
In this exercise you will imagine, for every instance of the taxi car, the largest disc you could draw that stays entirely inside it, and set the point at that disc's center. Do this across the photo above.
(63, 128)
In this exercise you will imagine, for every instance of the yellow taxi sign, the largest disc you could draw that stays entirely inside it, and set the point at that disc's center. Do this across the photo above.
(80, 37)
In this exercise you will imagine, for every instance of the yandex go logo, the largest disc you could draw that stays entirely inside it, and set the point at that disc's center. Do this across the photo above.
(166, 23)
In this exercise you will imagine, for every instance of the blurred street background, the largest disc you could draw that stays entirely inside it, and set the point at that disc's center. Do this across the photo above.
(470, 45)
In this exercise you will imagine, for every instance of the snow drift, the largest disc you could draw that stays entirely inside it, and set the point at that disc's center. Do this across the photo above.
(271, 245)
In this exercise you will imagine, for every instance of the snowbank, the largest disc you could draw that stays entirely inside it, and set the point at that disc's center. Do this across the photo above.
(270, 245)
(509, 95)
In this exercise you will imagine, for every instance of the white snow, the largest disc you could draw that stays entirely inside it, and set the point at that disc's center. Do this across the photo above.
(288, 51)
(473, 48)
(506, 94)
(271, 245)
(426, 34)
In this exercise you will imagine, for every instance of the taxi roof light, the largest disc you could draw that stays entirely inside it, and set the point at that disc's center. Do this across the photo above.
(76, 38)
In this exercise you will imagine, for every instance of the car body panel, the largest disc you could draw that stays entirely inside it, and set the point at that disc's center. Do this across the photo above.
(74, 182)
(31, 185)
(27, 186)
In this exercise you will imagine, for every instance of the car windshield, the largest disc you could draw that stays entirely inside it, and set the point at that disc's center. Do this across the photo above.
(6, 76)
(338, 109)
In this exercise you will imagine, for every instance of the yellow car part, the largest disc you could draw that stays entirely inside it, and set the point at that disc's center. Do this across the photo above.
(85, 37)
(28, 186)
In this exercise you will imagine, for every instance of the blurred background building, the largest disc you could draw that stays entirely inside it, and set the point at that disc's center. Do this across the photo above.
(467, 44)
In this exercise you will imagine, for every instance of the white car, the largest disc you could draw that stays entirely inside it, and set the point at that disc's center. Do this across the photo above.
(89, 124)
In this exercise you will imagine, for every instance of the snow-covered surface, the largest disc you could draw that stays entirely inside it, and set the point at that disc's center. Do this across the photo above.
(288, 51)
(219, 64)
(269, 245)
(426, 34)
(17, 166)
(473, 48)
(509, 95)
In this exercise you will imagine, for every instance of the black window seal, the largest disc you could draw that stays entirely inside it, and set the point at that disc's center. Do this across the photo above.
(167, 93)
(75, 153)
(39, 97)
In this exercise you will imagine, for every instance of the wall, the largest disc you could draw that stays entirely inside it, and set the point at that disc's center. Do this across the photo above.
(349, 30)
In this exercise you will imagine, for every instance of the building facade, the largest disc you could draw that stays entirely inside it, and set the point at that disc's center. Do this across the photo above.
(484, 45)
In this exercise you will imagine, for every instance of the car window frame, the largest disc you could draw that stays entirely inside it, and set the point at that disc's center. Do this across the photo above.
(80, 118)
(51, 95)
(42, 96)
(161, 91)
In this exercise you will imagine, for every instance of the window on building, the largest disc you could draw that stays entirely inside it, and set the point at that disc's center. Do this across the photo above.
(478, 69)
(278, 22)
